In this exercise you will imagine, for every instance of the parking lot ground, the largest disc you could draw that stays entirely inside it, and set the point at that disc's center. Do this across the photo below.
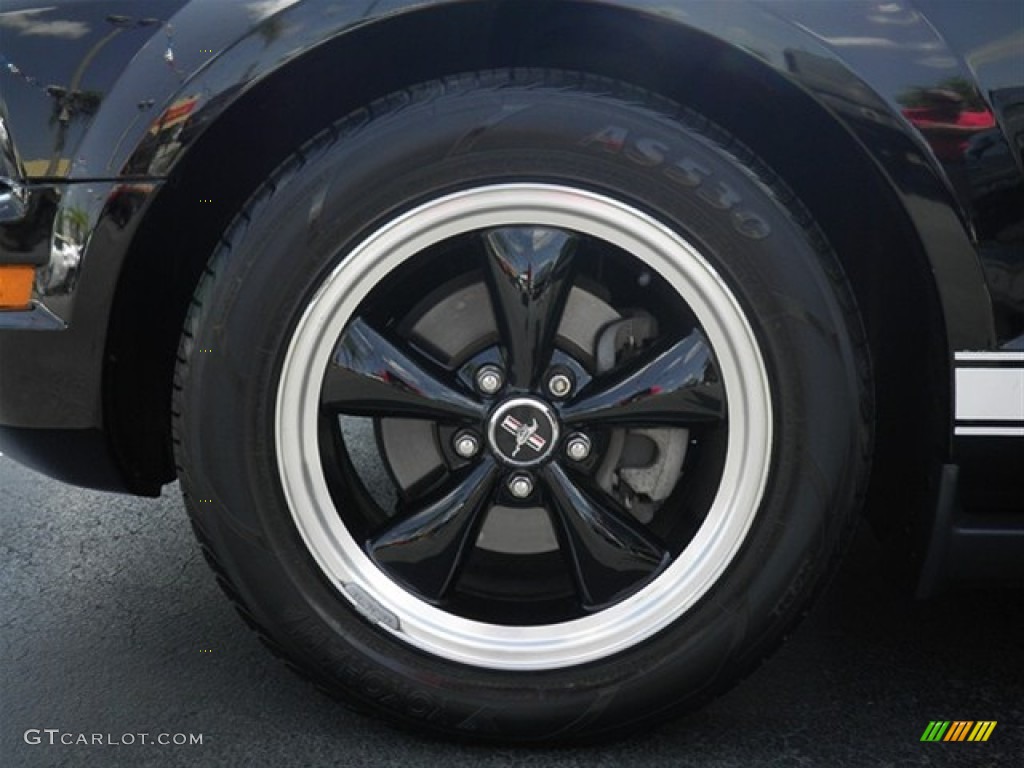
(111, 624)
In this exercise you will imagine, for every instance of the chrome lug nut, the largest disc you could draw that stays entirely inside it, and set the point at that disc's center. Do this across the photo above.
(467, 445)
(577, 447)
(560, 385)
(489, 379)
(520, 485)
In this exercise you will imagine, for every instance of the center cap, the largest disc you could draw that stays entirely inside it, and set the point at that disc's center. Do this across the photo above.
(523, 431)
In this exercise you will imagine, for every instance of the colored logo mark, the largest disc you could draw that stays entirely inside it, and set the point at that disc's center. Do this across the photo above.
(525, 434)
(958, 730)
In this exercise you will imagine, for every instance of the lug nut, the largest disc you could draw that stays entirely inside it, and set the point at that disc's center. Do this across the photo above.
(467, 445)
(578, 447)
(489, 379)
(560, 384)
(520, 486)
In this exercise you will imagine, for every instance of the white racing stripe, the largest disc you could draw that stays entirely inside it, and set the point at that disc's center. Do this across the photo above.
(989, 394)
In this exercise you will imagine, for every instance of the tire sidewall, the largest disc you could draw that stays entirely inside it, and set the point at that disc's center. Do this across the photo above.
(405, 151)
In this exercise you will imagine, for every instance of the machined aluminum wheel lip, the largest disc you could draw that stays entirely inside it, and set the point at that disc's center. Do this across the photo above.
(552, 646)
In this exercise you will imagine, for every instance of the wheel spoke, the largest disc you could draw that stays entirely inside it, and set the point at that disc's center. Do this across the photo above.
(608, 551)
(427, 549)
(677, 386)
(529, 276)
(370, 375)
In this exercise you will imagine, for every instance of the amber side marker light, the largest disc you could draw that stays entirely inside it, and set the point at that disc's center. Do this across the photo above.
(16, 287)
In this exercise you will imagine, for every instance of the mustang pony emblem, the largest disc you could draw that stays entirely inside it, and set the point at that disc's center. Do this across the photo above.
(525, 434)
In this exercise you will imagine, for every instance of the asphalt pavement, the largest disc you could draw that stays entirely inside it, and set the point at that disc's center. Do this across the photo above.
(111, 626)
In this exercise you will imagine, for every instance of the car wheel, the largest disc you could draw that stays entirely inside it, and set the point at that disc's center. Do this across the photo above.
(523, 406)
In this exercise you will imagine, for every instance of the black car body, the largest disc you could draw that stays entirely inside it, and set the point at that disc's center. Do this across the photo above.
(131, 134)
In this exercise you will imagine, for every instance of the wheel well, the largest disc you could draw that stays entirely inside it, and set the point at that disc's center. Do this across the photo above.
(884, 262)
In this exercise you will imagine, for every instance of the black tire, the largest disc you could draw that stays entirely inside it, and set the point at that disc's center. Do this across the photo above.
(785, 363)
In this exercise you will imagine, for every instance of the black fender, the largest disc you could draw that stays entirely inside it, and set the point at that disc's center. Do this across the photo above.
(171, 84)
(193, 65)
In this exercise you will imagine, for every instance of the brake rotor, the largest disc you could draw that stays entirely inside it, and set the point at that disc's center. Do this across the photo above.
(640, 467)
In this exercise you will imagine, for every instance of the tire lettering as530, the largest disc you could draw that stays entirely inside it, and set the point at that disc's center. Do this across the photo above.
(684, 171)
